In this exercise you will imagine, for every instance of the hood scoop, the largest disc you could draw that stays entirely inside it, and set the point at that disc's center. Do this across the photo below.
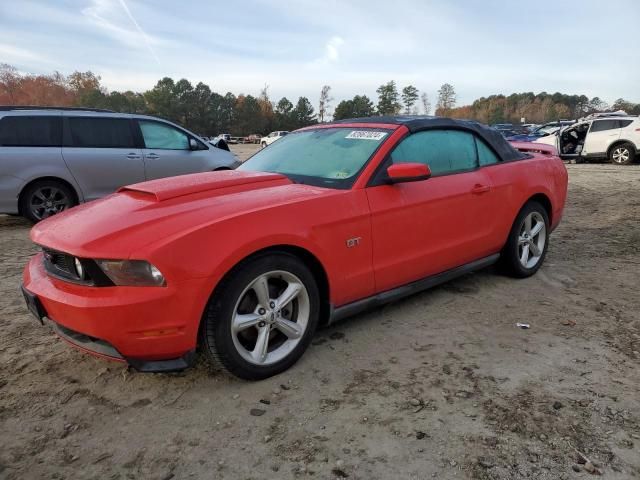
(172, 187)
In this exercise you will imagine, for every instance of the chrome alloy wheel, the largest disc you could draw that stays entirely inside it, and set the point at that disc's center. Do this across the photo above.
(621, 155)
(532, 240)
(270, 317)
(47, 201)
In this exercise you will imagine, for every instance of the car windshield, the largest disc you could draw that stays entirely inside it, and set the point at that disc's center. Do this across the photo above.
(327, 157)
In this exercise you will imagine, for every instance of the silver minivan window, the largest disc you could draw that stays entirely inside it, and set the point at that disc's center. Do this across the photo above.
(96, 132)
(30, 131)
(162, 136)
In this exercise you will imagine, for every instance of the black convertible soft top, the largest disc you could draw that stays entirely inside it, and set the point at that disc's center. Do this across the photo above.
(416, 123)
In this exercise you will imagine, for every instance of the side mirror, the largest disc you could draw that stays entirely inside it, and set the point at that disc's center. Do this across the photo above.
(407, 172)
(193, 144)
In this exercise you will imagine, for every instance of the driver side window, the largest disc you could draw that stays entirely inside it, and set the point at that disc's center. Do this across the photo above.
(162, 136)
(444, 151)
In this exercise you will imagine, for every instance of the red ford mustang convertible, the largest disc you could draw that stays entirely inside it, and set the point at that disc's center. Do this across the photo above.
(326, 222)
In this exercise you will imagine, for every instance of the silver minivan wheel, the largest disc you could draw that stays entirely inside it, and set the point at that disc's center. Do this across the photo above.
(47, 201)
(44, 198)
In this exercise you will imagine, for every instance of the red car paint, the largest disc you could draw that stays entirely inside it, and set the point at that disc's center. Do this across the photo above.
(195, 228)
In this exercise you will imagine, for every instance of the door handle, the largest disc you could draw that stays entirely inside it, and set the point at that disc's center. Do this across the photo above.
(133, 156)
(152, 156)
(480, 189)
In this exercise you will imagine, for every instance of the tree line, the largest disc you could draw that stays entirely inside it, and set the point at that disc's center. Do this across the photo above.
(207, 112)
(537, 108)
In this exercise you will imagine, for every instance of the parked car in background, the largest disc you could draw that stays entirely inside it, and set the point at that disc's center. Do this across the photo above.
(616, 138)
(329, 221)
(219, 143)
(272, 137)
(540, 131)
(253, 138)
(54, 158)
(502, 126)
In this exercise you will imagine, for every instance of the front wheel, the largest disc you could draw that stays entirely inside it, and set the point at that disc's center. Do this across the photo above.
(263, 144)
(528, 240)
(262, 317)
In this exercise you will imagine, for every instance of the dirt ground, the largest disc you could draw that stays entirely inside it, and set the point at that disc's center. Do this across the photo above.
(440, 385)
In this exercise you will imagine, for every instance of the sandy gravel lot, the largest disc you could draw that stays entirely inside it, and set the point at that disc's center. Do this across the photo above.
(440, 385)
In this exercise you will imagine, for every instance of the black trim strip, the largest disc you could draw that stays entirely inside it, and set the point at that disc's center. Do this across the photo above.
(105, 348)
(85, 341)
(368, 303)
(162, 366)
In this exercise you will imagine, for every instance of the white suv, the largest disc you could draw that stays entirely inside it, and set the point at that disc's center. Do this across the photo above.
(272, 137)
(616, 138)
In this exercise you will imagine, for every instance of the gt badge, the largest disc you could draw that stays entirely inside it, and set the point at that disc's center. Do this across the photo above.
(353, 242)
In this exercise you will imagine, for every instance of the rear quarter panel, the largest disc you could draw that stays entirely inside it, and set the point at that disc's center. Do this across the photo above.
(516, 182)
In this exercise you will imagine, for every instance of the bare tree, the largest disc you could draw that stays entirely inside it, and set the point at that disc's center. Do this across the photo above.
(325, 100)
(446, 99)
(9, 81)
(426, 104)
(265, 123)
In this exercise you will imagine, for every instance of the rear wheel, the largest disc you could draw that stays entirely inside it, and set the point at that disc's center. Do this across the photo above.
(263, 144)
(45, 198)
(262, 318)
(528, 240)
(622, 154)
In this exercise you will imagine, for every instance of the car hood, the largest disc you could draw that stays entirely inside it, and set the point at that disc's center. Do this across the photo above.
(156, 211)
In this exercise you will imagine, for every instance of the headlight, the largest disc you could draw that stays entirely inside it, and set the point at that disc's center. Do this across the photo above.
(134, 273)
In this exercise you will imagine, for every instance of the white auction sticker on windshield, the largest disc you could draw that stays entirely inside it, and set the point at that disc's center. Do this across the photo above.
(366, 135)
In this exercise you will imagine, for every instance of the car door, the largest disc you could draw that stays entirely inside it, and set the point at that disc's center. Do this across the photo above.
(101, 154)
(167, 152)
(600, 136)
(426, 227)
(570, 140)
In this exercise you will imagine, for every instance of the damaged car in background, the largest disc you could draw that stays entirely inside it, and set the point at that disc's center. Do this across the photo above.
(599, 137)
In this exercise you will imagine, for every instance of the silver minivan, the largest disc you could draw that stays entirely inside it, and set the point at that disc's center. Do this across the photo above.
(54, 158)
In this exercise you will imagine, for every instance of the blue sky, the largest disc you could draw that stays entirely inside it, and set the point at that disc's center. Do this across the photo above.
(482, 47)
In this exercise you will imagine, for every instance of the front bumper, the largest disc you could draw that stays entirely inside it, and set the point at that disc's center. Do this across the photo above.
(151, 328)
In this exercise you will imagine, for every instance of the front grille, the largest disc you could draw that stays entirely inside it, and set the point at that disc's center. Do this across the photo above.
(60, 265)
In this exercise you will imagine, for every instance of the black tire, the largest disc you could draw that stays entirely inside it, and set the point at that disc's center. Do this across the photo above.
(512, 252)
(33, 200)
(216, 336)
(622, 154)
(263, 145)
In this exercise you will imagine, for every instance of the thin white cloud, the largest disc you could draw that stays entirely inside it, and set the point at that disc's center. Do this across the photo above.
(139, 28)
(108, 16)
